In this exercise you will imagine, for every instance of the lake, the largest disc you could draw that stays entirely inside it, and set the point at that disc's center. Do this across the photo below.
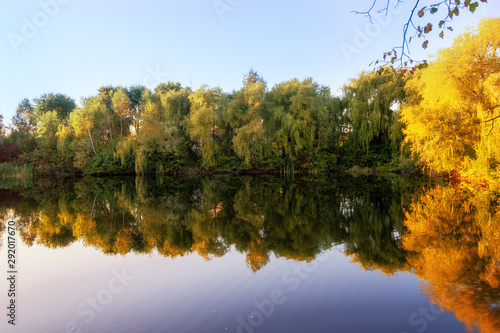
(225, 253)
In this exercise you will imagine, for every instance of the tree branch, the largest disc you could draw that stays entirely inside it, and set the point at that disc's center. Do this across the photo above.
(492, 119)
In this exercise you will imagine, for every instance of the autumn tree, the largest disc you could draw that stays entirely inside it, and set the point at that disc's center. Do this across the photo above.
(47, 128)
(2, 130)
(453, 104)
(205, 123)
(160, 145)
(108, 122)
(82, 119)
(245, 115)
(121, 106)
(24, 125)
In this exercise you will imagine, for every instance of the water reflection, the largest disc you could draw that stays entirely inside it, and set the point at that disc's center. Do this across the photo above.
(257, 215)
(453, 244)
(448, 236)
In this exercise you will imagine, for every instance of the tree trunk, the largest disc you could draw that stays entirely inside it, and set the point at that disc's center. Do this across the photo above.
(91, 142)
(109, 128)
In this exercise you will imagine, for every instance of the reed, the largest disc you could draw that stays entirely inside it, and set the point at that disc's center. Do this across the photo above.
(22, 172)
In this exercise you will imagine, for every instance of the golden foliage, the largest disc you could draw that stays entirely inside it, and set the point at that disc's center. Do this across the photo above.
(451, 104)
(454, 240)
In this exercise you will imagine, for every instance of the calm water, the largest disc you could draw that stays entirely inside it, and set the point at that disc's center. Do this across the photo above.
(253, 254)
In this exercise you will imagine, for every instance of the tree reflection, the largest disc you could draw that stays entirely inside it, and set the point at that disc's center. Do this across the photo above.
(258, 216)
(447, 235)
(454, 240)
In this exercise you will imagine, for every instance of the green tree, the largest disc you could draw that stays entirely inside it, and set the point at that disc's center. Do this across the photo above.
(24, 120)
(136, 94)
(292, 105)
(373, 100)
(60, 103)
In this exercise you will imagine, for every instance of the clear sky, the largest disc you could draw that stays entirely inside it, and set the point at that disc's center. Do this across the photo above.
(75, 46)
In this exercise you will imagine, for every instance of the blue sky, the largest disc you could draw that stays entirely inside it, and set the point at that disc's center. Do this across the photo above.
(78, 46)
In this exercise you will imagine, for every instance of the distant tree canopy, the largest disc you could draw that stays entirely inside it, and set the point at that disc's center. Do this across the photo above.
(60, 103)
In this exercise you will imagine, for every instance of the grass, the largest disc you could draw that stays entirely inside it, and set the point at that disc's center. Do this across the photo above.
(23, 172)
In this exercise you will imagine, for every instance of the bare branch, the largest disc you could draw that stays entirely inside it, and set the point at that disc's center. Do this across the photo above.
(452, 9)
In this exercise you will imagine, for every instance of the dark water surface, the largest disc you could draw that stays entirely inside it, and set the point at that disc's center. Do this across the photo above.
(253, 254)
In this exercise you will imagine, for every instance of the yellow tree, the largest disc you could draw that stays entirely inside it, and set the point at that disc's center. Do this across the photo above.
(453, 103)
(121, 105)
(82, 119)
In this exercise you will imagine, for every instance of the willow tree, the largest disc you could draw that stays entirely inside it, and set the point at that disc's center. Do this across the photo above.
(292, 105)
(245, 115)
(205, 123)
(451, 117)
(175, 105)
(159, 143)
(373, 101)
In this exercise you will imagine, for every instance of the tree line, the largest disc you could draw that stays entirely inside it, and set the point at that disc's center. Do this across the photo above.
(296, 124)
(438, 116)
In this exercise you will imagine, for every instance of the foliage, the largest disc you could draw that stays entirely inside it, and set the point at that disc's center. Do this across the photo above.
(450, 118)
(245, 116)
(8, 170)
(62, 104)
(205, 123)
(453, 240)
(293, 105)
(121, 106)
(258, 216)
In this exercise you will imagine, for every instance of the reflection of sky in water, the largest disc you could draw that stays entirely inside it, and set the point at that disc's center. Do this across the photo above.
(188, 294)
